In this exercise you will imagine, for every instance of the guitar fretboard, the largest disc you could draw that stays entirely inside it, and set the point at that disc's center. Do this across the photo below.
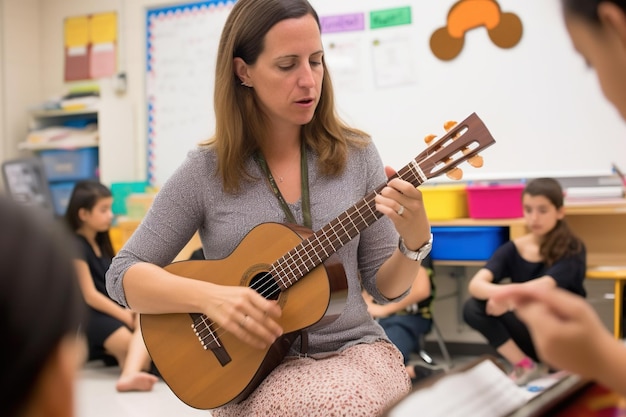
(318, 247)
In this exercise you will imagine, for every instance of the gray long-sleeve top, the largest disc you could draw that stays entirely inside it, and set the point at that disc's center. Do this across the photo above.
(193, 199)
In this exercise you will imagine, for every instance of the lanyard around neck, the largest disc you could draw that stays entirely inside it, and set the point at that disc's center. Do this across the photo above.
(304, 174)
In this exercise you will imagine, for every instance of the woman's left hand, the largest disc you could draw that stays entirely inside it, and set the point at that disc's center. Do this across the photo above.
(375, 310)
(403, 204)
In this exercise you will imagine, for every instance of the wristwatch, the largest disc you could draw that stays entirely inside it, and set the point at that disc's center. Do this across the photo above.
(416, 255)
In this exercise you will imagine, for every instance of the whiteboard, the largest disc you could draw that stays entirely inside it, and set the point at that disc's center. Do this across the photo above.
(541, 103)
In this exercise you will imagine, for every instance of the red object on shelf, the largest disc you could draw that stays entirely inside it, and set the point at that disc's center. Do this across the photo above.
(499, 201)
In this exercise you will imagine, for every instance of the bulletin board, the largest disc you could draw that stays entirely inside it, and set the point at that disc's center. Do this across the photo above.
(541, 103)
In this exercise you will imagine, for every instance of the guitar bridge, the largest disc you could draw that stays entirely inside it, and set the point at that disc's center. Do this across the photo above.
(208, 339)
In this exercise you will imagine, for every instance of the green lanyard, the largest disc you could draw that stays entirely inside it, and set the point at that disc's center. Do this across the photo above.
(304, 173)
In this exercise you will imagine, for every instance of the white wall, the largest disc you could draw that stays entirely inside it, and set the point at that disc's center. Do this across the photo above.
(32, 64)
(21, 68)
(131, 55)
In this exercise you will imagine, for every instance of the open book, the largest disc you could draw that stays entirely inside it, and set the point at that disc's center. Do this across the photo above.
(483, 389)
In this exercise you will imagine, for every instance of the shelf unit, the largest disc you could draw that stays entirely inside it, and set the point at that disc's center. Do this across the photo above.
(40, 119)
(116, 142)
(67, 159)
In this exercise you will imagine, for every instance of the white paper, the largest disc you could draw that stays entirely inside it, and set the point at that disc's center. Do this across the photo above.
(484, 390)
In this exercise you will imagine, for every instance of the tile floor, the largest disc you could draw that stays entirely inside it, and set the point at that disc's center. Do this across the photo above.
(97, 397)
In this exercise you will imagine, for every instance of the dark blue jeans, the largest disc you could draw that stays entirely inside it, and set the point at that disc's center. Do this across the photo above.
(405, 331)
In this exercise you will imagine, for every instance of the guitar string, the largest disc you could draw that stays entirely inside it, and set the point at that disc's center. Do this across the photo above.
(278, 267)
(284, 265)
(413, 168)
(213, 334)
(207, 332)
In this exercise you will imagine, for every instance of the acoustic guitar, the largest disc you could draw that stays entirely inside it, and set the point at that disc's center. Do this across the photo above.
(207, 367)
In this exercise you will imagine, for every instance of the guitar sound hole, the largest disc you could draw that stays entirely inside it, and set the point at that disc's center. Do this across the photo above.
(264, 284)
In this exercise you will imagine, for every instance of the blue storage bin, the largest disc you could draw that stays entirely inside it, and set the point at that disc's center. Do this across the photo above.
(61, 193)
(472, 243)
(70, 165)
(80, 123)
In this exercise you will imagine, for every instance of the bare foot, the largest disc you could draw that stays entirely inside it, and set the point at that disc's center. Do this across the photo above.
(141, 381)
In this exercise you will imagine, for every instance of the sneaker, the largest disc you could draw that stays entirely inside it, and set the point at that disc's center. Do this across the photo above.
(523, 375)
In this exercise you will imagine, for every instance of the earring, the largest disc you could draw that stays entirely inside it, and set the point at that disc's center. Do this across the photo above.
(245, 84)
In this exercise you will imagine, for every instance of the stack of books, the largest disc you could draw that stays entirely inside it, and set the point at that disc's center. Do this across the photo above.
(599, 194)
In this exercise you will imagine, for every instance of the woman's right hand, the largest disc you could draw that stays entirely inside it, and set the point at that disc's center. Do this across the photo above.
(246, 314)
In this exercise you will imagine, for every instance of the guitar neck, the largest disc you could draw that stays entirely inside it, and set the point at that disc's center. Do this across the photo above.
(318, 247)
(459, 144)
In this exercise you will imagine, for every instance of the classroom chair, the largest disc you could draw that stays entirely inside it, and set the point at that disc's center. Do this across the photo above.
(447, 360)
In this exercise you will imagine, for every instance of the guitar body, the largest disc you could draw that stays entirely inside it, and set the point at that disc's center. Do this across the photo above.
(205, 366)
(209, 378)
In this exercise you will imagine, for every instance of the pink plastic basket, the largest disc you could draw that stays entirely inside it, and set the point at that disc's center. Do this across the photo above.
(500, 201)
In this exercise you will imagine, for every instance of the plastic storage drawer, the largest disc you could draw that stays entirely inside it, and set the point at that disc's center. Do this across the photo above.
(472, 243)
(70, 165)
(495, 201)
(61, 193)
(444, 202)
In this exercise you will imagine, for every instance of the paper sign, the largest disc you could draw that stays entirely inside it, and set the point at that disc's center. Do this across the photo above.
(342, 23)
(103, 28)
(76, 31)
(390, 17)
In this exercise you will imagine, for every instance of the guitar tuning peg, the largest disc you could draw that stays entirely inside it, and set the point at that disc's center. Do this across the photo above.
(455, 174)
(429, 138)
(449, 125)
(476, 161)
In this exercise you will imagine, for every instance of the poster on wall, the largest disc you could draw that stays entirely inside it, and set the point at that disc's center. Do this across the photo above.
(90, 46)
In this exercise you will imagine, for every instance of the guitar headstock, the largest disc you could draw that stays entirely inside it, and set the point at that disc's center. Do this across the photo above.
(462, 142)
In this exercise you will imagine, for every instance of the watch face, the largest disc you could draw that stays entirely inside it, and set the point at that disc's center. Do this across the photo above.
(424, 251)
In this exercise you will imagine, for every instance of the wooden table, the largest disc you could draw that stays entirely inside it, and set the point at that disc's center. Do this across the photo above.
(618, 275)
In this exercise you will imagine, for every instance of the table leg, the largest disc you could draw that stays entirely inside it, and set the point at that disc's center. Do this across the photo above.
(617, 308)
(458, 272)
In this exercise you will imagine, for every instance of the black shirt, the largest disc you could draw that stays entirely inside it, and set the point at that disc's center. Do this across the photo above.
(569, 272)
(97, 265)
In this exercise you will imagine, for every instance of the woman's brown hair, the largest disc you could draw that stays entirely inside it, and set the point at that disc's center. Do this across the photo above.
(239, 120)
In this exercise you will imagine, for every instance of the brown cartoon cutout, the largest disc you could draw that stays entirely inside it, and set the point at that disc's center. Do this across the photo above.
(504, 29)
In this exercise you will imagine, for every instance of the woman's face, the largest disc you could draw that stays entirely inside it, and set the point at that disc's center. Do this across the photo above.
(604, 50)
(540, 214)
(287, 76)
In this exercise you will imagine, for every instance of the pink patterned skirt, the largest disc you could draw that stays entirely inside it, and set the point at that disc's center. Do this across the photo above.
(362, 380)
